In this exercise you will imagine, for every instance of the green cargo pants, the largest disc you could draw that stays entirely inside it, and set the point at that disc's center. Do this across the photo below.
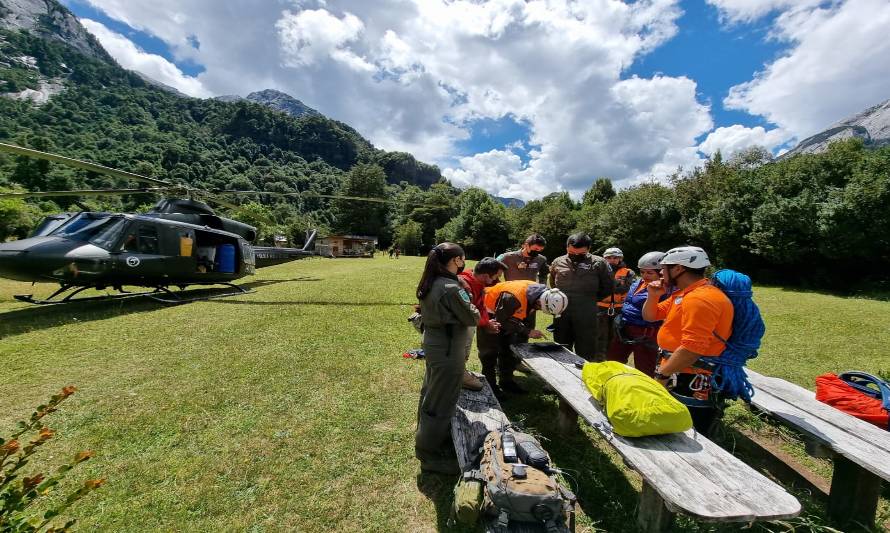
(577, 329)
(444, 352)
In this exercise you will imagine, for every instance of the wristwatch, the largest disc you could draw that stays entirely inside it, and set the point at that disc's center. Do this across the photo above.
(659, 376)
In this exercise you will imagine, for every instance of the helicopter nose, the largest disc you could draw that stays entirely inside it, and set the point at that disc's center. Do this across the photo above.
(14, 263)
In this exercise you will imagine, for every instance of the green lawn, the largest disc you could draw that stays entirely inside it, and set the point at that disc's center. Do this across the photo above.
(292, 408)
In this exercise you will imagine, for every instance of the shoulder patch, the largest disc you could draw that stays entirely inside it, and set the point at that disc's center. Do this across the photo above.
(464, 296)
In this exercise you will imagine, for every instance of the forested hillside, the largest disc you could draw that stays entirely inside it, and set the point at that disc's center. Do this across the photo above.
(815, 219)
(111, 116)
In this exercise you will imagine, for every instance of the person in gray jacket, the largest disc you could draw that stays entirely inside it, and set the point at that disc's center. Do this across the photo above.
(447, 316)
(584, 278)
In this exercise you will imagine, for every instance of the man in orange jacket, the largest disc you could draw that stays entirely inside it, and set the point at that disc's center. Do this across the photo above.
(512, 305)
(697, 322)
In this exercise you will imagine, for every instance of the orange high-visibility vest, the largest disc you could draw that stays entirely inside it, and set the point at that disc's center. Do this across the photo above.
(519, 290)
(618, 298)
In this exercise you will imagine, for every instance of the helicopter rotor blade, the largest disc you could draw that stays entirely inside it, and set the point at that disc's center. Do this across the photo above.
(311, 194)
(84, 165)
(85, 192)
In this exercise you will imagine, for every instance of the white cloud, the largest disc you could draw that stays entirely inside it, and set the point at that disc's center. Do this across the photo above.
(412, 74)
(733, 139)
(154, 66)
(751, 10)
(836, 66)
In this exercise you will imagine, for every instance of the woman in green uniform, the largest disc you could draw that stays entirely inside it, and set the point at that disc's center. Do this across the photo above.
(447, 315)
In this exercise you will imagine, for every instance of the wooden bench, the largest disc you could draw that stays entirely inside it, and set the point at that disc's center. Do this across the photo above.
(860, 451)
(682, 472)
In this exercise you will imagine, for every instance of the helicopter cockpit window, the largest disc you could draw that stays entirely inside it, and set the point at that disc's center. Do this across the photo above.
(101, 231)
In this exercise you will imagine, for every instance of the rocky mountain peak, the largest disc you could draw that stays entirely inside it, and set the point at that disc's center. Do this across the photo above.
(871, 125)
(52, 20)
(282, 102)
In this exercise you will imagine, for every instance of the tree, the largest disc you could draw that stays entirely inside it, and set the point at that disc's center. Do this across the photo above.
(480, 225)
(364, 217)
(600, 192)
(17, 218)
(409, 237)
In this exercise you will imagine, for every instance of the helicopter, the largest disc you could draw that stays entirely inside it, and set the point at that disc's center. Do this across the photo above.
(178, 243)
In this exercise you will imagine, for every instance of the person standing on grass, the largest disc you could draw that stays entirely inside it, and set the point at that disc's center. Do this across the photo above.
(635, 335)
(697, 318)
(486, 273)
(584, 278)
(448, 313)
(611, 305)
(527, 262)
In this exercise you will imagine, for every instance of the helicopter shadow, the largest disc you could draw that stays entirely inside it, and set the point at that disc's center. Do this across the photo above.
(39, 317)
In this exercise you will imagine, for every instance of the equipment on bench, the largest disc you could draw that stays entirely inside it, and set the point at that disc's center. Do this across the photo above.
(636, 405)
(852, 393)
(515, 491)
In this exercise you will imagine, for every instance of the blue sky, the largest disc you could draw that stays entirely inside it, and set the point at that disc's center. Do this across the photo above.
(523, 97)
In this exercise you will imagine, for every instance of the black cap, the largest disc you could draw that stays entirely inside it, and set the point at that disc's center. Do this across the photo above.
(489, 265)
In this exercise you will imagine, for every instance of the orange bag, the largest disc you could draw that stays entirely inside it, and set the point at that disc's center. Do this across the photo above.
(836, 392)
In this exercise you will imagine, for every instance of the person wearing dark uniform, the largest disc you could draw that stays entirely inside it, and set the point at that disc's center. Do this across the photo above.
(527, 262)
(584, 278)
(610, 306)
(447, 316)
(512, 305)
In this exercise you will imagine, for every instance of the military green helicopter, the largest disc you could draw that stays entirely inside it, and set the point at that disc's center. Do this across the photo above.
(178, 243)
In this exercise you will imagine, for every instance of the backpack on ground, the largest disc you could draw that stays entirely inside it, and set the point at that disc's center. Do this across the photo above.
(517, 491)
(859, 394)
(728, 375)
(636, 405)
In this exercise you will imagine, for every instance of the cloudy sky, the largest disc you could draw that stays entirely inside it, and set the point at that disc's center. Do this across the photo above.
(525, 97)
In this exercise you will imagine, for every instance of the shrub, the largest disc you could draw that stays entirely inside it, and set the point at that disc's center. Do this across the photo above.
(20, 494)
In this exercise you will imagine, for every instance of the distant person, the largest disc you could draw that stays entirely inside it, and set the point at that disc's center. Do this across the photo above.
(633, 334)
(697, 317)
(392, 251)
(512, 304)
(398, 252)
(486, 273)
(527, 262)
(584, 278)
(447, 314)
(610, 306)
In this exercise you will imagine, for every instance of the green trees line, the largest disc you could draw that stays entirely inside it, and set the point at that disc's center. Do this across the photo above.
(820, 219)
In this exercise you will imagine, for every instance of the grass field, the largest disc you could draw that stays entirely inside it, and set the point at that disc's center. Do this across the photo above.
(292, 408)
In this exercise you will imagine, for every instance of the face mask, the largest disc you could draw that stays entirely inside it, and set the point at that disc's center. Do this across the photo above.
(577, 257)
(461, 268)
(533, 253)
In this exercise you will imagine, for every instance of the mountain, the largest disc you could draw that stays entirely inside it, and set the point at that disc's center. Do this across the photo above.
(273, 99)
(62, 92)
(160, 85)
(510, 202)
(871, 125)
(50, 20)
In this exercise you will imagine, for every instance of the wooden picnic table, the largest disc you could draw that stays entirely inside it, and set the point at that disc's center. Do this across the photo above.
(860, 451)
(681, 472)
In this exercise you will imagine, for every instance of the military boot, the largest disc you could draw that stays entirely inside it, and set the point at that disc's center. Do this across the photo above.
(471, 382)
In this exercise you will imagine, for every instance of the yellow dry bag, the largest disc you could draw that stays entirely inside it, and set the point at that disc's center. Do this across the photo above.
(636, 404)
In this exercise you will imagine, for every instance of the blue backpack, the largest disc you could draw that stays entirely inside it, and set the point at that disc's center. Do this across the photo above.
(728, 377)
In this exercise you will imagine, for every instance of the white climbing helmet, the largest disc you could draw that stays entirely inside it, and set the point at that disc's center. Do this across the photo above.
(650, 261)
(613, 252)
(554, 302)
(688, 256)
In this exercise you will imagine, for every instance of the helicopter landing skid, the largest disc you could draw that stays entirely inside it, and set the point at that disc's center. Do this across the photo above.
(173, 298)
(29, 298)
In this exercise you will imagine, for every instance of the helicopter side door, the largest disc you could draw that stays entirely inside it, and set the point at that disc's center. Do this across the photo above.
(142, 252)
